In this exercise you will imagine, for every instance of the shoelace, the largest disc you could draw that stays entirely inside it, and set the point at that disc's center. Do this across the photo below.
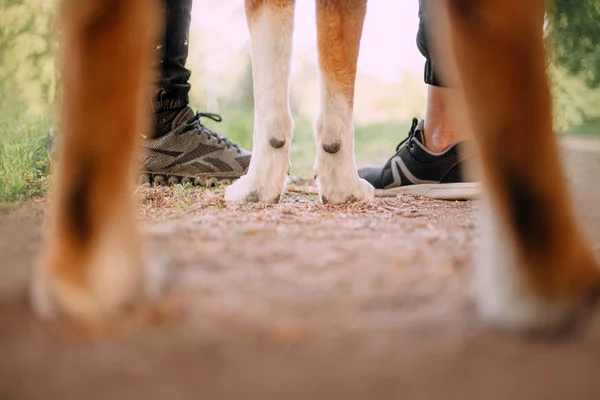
(195, 123)
(411, 134)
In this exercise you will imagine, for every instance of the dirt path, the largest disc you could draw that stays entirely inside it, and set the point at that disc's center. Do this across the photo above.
(297, 301)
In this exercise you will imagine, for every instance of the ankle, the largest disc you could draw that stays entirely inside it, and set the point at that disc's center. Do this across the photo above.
(438, 146)
(438, 140)
(439, 129)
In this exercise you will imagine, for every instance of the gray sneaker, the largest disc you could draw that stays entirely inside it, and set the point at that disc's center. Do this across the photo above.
(191, 153)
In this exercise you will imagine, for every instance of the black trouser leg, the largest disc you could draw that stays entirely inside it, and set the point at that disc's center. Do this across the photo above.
(172, 89)
(425, 12)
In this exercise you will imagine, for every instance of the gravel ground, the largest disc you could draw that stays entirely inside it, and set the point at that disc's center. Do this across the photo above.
(296, 301)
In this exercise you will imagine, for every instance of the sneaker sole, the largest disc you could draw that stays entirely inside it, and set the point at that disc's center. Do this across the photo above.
(202, 181)
(441, 191)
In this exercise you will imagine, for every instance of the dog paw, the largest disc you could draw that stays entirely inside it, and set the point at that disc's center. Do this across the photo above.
(510, 299)
(249, 190)
(114, 282)
(347, 191)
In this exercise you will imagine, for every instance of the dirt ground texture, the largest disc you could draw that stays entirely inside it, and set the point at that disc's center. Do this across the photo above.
(297, 301)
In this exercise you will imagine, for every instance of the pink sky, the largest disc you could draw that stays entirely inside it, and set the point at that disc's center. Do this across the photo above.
(388, 44)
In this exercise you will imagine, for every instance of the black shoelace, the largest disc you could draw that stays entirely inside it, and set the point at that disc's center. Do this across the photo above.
(411, 134)
(196, 124)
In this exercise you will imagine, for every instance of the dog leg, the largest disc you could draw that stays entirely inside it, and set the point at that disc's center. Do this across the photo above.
(91, 265)
(339, 29)
(271, 24)
(535, 271)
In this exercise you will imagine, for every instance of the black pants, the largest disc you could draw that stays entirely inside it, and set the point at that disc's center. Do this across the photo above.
(425, 12)
(173, 83)
(172, 90)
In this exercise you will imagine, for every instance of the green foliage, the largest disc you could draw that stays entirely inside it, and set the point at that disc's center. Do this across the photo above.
(373, 143)
(574, 103)
(574, 34)
(588, 128)
(28, 74)
(29, 82)
(182, 197)
(24, 161)
(244, 96)
(574, 26)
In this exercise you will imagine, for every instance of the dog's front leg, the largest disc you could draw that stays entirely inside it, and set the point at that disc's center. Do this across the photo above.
(339, 29)
(91, 265)
(271, 24)
(536, 271)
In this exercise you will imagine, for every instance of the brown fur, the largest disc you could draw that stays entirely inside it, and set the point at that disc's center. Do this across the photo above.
(500, 62)
(105, 68)
(254, 6)
(339, 29)
(500, 65)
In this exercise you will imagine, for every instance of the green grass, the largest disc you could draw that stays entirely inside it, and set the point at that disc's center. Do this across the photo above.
(589, 128)
(23, 158)
(374, 143)
(24, 145)
(183, 199)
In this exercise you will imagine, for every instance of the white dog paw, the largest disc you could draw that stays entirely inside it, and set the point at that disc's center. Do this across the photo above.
(249, 190)
(347, 191)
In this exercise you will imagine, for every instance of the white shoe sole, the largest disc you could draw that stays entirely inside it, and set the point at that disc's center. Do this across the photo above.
(441, 191)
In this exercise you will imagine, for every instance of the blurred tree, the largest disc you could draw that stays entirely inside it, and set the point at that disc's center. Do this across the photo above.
(574, 26)
(574, 103)
(573, 30)
(28, 74)
(29, 77)
(243, 99)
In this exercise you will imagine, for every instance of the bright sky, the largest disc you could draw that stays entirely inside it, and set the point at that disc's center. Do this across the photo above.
(388, 44)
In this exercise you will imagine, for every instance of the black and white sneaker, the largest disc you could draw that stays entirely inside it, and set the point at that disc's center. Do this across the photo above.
(414, 170)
